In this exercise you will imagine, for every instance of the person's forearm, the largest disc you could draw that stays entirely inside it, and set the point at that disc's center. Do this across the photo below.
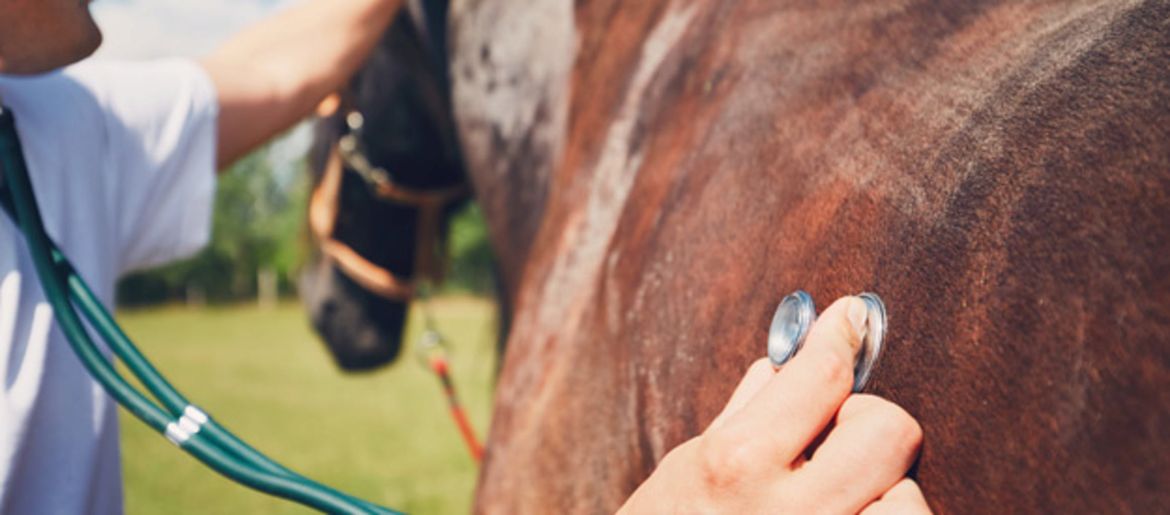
(271, 75)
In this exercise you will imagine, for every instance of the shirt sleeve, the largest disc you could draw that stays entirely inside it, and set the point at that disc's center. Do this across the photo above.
(160, 121)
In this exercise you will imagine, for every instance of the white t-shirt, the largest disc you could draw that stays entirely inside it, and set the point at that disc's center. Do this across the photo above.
(122, 160)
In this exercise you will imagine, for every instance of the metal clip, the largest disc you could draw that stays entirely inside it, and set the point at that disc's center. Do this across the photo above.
(430, 346)
(355, 121)
(186, 426)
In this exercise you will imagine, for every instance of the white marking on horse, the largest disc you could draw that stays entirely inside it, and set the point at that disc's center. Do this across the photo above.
(588, 234)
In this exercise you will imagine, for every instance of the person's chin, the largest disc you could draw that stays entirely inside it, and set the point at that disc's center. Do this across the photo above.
(44, 60)
(48, 40)
(90, 44)
(85, 39)
(84, 46)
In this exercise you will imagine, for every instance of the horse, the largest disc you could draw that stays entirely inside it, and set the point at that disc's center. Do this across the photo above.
(997, 171)
(657, 175)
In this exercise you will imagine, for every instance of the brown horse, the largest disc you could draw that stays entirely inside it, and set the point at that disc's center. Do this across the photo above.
(658, 174)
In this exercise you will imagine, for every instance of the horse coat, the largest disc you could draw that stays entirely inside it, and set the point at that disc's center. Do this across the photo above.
(657, 174)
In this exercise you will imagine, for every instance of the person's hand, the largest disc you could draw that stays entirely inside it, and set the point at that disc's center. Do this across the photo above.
(796, 441)
(272, 74)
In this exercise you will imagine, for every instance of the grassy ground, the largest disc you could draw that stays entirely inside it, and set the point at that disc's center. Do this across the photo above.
(385, 436)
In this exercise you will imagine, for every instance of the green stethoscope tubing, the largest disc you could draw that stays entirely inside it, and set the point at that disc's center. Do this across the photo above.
(64, 288)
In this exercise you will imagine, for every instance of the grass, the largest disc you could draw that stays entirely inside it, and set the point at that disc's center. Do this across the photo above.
(385, 436)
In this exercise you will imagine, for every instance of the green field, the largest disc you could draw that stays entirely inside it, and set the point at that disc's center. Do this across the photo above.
(385, 436)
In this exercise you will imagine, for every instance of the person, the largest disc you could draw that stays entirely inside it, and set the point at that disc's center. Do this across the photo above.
(122, 158)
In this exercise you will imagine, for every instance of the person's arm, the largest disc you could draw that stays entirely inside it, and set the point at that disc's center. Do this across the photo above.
(274, 73)
(769, 450)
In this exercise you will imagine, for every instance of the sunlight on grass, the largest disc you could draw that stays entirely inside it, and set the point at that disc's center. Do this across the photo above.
(385, 436)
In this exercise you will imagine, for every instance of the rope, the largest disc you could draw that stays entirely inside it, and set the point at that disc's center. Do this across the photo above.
(433, 354)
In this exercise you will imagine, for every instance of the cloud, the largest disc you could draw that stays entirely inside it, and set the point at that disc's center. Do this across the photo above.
(142, 29)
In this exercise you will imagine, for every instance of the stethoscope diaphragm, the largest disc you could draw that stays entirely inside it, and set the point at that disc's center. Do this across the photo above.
(794, 318)
(790, 325)
(871, 341)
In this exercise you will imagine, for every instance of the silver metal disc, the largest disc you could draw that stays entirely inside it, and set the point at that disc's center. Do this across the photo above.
(794, 316)
(872, 341)
(355, 120)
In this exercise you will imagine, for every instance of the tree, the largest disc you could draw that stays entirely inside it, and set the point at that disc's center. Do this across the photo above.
(257, 224)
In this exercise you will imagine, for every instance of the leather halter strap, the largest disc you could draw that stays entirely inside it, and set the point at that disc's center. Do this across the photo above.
(324, 203)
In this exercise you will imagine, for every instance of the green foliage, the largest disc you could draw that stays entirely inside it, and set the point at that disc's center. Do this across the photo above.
(472, 261)
(257, 224)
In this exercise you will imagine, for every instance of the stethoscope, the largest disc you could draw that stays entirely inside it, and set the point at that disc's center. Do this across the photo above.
(185, 425)
(794, 318)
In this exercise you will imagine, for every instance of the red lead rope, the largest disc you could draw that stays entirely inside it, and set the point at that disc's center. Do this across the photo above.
(439, 365)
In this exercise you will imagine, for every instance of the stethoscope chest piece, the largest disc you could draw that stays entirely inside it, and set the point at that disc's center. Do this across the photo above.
(795, 316)
(790, 324)
(872, 341)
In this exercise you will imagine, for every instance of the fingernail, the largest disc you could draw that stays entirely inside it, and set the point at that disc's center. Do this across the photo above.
(858, 313)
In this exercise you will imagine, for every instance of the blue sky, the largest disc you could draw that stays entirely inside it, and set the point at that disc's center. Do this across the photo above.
(158, 28)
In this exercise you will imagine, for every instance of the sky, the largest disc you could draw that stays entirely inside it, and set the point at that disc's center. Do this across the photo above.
(145, 29)
(137, 29)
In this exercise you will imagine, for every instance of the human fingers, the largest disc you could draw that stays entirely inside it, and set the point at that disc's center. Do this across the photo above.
(904, 498)
(868, 451)
(906, 490)
(799, 401)
(757, 375)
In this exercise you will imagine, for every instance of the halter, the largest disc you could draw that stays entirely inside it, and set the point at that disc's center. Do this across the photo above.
(430, 259)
